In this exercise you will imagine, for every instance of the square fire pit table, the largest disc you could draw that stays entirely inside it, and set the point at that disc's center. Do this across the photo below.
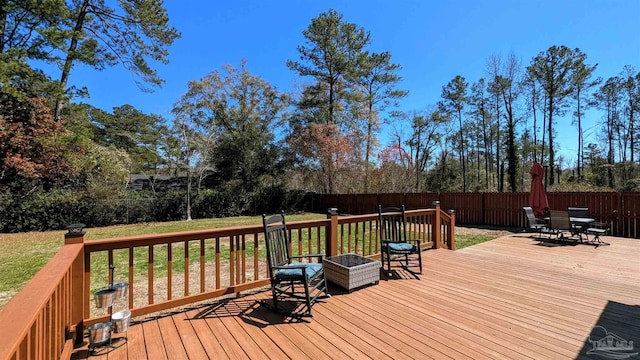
(351, 271)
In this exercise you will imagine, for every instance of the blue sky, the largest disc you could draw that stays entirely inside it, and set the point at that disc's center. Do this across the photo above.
(432, 40)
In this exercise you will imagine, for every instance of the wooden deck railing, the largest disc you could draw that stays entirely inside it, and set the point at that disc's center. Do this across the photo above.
(165, 271)
(39, 322)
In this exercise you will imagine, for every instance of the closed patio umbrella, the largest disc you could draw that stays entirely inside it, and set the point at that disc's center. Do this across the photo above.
(537, 197)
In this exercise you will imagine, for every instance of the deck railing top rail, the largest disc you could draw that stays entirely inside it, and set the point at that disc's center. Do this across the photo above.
(164, 238)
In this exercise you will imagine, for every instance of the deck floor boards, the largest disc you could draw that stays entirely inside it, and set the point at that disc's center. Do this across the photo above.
(514, 297)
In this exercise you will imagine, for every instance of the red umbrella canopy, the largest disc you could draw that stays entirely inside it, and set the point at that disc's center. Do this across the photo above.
(537, 197)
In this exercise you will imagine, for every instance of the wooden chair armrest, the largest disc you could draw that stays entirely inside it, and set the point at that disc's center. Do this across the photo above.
(289, 267)
(391, 241)
(319, 256)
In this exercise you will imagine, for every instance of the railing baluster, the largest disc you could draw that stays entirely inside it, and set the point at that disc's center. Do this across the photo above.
(309, 242)
(55, 332)
(150, 275)
(87, 286)
(40, 335)
(64, 321)
(341, 230)
(202, 266)
(131, 289)
(217, 263)
(362, 231)
(256, 253)
(109, 265)
(59, 321)
(48, 332)
(349, 237)
(238, 259)
(356, 241)
(232, 262)
(244, 259)
(32, 341)
(370, 236)
(186, 268)
(69, 298)
(169, 271)
(318, 241)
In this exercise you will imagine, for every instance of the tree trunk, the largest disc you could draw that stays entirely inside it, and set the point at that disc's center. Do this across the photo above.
(535, 125)
(511, 154)
(632, 128)
(498, 159)
(544, 128)
(511, 146)
(68, 63)
(551, 152)
(487, 150)
(3, 24)
(610, 158)
(368, 147)
(462, 157)
(580, 160)
(478, 161)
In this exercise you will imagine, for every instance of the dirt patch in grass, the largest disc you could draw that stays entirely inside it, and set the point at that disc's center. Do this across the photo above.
(489, 231)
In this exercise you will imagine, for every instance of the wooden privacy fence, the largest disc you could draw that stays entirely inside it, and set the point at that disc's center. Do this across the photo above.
(169, 270)
(620, 210)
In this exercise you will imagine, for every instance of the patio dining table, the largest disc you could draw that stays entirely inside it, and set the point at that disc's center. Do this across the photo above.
(575, 220)
(579, 225)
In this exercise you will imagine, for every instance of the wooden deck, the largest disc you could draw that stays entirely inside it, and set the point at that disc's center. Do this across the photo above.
(512, 297)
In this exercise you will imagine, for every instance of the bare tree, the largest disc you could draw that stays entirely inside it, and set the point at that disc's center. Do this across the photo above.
(552, 70)
(581, 83)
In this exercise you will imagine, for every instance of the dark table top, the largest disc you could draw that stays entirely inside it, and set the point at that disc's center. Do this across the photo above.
(350, 260)
(581, 220)
(576, 220)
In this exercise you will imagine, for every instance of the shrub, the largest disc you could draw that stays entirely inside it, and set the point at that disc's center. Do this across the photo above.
(57, 209)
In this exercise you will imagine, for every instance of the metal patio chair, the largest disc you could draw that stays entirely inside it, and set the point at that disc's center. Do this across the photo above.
(394, 242)
(534, 224)
(581, 212)
(559, 223)
(579, 228)
(292, 281)
(597, 229)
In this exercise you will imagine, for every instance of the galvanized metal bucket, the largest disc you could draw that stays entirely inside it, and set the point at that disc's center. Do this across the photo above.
(122, 289)
(121, 320)
(104, 297)
(99, 334)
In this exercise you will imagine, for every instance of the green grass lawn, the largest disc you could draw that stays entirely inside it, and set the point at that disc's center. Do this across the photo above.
(462, 241)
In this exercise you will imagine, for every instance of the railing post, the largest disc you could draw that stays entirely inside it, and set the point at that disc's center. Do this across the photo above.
(452, 226)
(75, 235)
(437, 230)
(331, 248)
